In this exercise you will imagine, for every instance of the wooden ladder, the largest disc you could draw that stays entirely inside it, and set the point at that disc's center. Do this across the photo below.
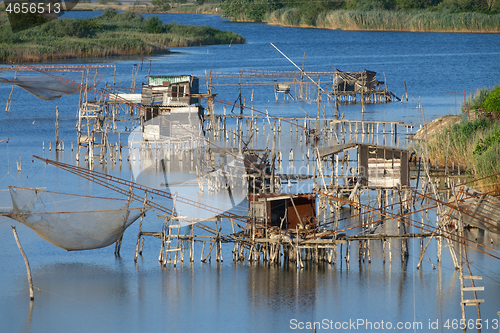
(472, 287)
(171, 237)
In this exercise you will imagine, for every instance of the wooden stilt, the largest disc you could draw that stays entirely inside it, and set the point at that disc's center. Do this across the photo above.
(28, 269)
(140, 228)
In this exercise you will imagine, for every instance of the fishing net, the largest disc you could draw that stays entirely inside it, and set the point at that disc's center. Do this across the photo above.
(5, 202)
(72, 222)
(49, 88)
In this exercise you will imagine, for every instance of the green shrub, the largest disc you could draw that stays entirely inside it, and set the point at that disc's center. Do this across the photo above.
(109, 14)
(476, 101)
(128, 16)
(6, 36)
(154, 25)
(483, 145)
(492, 101)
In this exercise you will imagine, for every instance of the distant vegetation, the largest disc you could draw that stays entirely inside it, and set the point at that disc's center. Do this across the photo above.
(473, 144)
(407, 15)
(110, 34)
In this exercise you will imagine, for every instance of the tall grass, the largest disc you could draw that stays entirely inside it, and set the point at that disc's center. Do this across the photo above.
(391, 20)
(460, 141)
(286, 17)
(206, 8)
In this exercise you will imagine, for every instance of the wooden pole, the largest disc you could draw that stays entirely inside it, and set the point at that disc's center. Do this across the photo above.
(118, 243)
(9, 101)
(57, 129)
(143, 210)
(28, 269)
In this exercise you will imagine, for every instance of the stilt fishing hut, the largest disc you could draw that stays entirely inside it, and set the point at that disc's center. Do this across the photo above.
(348, 85)
(376, 167)
(163, 93)
(284, 211)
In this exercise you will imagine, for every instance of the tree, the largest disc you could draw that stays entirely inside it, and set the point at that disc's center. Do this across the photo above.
(162, 4)
(154, 25)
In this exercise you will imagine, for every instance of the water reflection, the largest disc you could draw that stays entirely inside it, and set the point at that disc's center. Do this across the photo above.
(256, 296)
(272, 287)
(28, 321)
(77, 282)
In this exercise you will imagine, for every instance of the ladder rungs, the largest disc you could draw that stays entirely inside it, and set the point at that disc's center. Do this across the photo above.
(472, 301)
(472, 277)
(173, 249)
(472, 288)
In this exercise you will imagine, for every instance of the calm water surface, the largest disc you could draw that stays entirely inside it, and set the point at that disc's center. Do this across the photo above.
(92, 291)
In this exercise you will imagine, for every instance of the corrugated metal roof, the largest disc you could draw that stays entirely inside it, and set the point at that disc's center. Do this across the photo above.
(158, 80)
(118, 98)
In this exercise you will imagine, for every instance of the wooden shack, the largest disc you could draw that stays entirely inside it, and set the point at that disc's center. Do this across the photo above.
(176, 99)
(357, 82)
(282, 210)
(379, 167)
(348, 85)
(163, 93)
(170, 90)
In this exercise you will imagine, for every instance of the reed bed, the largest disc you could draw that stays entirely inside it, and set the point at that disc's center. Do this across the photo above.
(417, 21)
(206, 8)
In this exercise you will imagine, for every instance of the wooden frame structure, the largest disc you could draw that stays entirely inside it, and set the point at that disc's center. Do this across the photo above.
(348, 85)
(378, 167)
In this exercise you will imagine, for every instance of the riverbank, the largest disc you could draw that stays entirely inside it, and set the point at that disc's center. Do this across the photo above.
(383, 20)
(352, 20)
(110, 34)
(146, 7)
(471, 140)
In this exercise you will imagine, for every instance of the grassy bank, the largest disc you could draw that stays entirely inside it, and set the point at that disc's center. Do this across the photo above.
(145, 7)
(472, 144)
(394, 15)
(354, 15)
(417, 21)
(207, 8)
(110, 34)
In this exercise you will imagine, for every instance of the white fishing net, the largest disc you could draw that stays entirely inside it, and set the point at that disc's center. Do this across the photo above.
(48, 88)
(72, 222)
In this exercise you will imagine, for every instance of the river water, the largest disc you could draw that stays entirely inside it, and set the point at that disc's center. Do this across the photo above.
(92, 291)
